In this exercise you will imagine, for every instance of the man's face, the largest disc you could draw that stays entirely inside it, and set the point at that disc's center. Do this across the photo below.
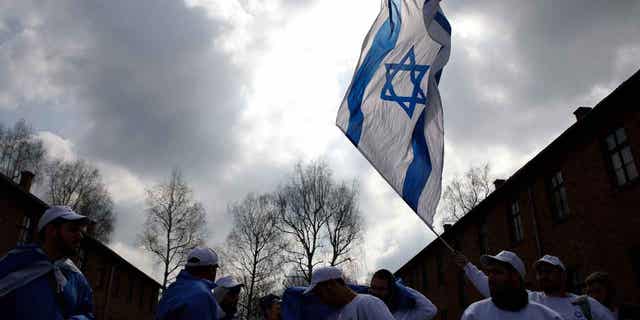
(380, 288)
(550, 278)
(68, 237)
(273, 313)
(326, 292)
(597, 291)
(501, 279)
(212, 273)
(230, 301)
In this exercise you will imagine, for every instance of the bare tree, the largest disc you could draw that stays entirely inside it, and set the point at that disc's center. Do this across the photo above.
(320, 217)
(254, 249)
(79, 185)
(463, 194)
(20, 150)
(304, 214)
(175, 224)
(344, 226)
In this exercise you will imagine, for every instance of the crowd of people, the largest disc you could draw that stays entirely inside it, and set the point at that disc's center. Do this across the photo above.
(43, 273)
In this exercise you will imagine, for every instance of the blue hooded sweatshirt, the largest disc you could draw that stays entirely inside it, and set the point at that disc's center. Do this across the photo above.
(188, 298)
(29, 292)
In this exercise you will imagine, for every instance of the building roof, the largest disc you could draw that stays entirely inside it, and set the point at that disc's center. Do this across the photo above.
(4, 180)
(569, 135)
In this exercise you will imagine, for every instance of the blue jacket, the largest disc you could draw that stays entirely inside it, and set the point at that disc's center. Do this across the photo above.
(296, 306)
(402, 298)
(188, 298)
(37, 298)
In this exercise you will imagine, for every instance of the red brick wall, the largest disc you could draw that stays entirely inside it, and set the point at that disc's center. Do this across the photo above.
(119, 290)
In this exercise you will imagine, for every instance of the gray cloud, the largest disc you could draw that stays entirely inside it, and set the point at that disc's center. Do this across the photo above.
(544, 56)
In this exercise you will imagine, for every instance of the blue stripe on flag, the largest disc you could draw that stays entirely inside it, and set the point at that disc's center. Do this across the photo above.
(443, 22)
(420, 168)
(383, 43)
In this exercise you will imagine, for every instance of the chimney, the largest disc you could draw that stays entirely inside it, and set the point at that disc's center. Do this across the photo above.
(446, 226)
(26, 178)
(581, 112)
(497, 183)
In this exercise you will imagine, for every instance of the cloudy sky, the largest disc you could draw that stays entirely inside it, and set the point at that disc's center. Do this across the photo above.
(236, 91)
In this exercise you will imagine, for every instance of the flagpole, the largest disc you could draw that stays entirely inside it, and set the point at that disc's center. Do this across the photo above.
(439, 237)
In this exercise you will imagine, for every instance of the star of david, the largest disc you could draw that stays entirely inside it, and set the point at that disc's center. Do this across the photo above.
(417, 72)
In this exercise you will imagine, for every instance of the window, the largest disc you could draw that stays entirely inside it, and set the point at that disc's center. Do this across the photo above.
(559, 198)
(620, 157)
(24, 230)
(515, 220)
(425, 278)
(483, 236)
(440, 269)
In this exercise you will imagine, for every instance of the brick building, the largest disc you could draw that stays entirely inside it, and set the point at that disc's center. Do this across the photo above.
(577, 199)
(120, 290)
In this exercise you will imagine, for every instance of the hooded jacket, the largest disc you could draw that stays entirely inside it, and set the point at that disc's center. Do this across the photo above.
(27, 276)
(188, 298)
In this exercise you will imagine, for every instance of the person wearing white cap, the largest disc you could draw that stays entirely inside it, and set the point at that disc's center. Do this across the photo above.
(509, 298)
(551, 278)
(43, 272)
(328, 284)
(190, 296)
(227, 294)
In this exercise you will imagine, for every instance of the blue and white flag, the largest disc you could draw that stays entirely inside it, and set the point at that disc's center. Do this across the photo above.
(392, 111)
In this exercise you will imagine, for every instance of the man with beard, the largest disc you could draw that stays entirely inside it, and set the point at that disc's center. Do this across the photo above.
(39, 281)
(551, 278)
(227, 294)
(404, 303)
(509, 298)
(190, 296)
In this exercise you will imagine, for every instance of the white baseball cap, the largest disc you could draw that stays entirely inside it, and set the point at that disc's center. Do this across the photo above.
(506, 257)
(321, 275)
(62, 212)
(552, 260)
(228, 282)
(201, 256)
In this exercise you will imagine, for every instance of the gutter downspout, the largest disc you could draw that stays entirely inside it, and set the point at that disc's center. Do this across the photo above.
(536, 230)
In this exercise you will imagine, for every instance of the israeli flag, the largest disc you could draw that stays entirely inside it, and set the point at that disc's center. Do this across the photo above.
(392, 111)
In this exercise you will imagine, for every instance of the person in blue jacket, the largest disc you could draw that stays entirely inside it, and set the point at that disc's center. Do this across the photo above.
(39, 281)
(404, 303)
(190, 296)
